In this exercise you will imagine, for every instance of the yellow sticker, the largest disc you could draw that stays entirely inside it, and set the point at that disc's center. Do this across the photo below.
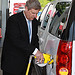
(63, 71)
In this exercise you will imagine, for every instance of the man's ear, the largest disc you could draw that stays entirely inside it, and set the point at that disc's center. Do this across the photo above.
(26, 8)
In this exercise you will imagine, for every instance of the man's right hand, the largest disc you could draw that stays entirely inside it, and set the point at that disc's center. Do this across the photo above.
(39, 56)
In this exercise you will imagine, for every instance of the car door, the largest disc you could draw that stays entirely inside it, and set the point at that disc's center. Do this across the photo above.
(43, 28)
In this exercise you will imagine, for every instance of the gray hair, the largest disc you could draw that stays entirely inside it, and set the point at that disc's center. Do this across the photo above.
(33, 4)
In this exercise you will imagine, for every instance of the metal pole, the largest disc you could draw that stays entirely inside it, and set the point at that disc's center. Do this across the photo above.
(4, 7)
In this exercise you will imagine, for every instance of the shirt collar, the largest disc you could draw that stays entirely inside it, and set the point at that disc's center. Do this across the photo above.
(25, 16)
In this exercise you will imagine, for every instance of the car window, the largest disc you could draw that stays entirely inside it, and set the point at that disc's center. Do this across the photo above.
(48, 14)
(69, 31)
(43, 13)
(58, 23)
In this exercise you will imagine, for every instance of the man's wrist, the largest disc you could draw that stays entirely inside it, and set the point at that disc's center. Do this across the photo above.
(35, 51)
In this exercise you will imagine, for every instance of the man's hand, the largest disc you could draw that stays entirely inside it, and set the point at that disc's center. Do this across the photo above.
(39, 56)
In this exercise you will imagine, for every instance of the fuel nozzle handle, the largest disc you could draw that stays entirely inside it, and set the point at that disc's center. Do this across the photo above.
(48, 58)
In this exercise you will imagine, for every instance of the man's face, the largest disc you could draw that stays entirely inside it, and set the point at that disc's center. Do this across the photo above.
(31, 14)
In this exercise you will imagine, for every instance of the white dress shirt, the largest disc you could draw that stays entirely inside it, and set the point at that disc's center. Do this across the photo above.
(35, 51)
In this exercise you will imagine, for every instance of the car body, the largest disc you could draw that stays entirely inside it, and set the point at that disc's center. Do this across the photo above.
(57, 37)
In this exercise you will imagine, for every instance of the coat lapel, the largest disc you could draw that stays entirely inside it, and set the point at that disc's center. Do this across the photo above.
(23, 26)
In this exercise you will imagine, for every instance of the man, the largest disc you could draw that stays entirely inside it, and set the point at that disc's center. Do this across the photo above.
(19, 42)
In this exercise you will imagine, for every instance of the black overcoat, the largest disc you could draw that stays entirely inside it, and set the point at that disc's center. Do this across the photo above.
(16, 47)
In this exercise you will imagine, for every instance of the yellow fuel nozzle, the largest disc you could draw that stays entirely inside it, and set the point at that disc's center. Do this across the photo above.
(48, 59)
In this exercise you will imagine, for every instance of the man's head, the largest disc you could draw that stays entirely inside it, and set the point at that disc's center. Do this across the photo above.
(32, 8)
